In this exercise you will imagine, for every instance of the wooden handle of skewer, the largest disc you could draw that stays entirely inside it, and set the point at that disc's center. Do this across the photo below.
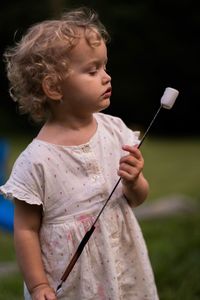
(77, 253)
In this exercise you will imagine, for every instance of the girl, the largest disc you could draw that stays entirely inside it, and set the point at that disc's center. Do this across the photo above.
(62, 179)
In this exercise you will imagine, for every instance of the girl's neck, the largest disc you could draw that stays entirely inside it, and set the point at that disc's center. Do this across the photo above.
(69, 132)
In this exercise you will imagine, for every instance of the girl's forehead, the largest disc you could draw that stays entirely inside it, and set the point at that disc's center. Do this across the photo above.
(84, 51)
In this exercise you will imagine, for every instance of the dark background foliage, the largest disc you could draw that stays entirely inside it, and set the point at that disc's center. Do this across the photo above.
(154, 44)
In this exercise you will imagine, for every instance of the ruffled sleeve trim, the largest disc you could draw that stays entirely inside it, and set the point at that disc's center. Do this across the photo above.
(11, 194)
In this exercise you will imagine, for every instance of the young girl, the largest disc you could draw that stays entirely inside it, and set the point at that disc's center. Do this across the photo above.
(62, 179)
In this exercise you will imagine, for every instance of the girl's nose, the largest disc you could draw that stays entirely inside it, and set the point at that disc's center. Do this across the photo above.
(106, 77)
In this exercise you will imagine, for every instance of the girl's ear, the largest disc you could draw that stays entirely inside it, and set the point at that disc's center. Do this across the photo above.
(51, 88)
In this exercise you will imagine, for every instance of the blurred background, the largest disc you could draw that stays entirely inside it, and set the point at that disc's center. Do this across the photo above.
(154, 44)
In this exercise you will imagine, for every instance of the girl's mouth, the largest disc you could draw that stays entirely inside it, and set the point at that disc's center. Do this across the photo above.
(107, 93)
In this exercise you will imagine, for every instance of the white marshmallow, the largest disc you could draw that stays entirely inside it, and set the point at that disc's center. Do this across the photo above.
(169, 97)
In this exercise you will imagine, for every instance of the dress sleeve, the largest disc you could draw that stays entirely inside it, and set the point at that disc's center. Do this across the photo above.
(25, 182)
(133, 137)
(127, 135)
(117, 127)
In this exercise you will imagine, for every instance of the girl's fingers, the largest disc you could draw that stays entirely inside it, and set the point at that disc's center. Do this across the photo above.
(129, 159)
(131, 164)
(133, 150)
(134, 158)
(129, 171)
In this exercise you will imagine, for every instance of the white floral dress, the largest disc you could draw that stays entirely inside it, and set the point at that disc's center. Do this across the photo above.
(72, 183)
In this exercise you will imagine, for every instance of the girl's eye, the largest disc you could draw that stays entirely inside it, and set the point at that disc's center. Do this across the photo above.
(93, 72)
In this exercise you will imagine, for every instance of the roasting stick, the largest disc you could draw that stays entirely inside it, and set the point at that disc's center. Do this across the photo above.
(167, 101)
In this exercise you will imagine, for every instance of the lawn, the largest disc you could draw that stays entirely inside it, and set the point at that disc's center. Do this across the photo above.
(174, 248)
(172, 166)
(10, 283)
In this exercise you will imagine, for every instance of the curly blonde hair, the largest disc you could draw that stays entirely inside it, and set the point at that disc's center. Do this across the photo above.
(43, 51)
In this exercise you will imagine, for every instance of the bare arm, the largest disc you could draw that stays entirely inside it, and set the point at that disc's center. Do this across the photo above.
(27, 245)
(135, 186)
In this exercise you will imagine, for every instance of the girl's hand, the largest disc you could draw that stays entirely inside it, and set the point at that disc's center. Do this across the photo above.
(43, 292)
(131, 165)
(135, 186)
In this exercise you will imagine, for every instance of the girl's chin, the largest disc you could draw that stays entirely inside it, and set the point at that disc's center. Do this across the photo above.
(105, 103)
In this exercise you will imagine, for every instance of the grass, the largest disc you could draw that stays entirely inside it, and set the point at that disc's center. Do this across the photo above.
(172, 166)
(10, 284)
(7, 247)
(174, 245)
(11, 287)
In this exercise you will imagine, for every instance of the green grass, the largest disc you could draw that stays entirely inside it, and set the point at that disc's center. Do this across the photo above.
(11, 287)
(172, 166)
(174, 245)
(7, 248)
(10, 284)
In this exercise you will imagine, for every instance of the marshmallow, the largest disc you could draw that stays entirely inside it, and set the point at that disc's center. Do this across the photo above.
(169, 97)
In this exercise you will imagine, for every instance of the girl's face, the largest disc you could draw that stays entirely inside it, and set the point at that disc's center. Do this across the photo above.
(87, 89)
